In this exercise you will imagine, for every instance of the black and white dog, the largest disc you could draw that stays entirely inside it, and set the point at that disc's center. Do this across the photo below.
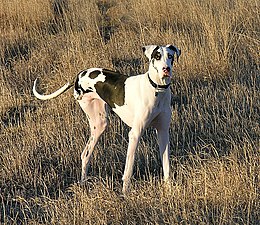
(140, 101)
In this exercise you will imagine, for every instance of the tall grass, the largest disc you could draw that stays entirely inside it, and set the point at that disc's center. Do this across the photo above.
(215, 112)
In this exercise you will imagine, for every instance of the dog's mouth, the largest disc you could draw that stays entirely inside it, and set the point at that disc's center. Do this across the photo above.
(166, 75)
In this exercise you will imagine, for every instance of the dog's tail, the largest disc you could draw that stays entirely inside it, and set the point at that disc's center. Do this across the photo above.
(64, 88)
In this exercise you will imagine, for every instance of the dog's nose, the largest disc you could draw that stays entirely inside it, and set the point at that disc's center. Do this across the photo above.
(166, 69)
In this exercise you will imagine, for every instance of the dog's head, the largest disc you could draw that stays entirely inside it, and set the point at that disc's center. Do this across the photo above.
(161, 59)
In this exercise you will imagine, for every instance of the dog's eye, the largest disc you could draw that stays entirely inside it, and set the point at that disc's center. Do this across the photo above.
(157, 56)
(170, 56)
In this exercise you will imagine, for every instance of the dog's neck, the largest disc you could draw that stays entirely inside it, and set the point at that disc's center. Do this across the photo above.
(157, 86)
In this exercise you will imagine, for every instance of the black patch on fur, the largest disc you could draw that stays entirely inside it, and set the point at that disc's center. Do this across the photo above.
(78, 88)
(112, 90)
(94, 74)
(155, 54)
(172, 60)
(173, 48)
(83, 73)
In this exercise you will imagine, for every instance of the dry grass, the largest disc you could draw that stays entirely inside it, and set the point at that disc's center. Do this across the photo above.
(215, 124)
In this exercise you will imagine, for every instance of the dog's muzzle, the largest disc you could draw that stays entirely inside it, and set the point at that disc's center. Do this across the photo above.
(166, 71)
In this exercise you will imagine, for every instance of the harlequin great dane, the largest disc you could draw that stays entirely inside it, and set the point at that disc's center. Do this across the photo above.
(140, 101)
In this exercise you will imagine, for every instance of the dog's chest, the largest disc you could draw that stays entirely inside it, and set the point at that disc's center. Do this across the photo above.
(141, 105)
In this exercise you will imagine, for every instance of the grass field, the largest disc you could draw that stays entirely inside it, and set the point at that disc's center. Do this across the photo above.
(215, 132)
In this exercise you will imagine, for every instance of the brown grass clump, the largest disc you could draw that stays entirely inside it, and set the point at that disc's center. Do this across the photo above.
(215, 129)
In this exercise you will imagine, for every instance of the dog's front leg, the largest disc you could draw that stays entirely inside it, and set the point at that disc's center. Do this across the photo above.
(164, 146)
(162, 125)
(134, 137)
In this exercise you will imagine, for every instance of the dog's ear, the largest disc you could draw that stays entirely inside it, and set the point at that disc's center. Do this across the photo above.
(149, 49)
(175, 49)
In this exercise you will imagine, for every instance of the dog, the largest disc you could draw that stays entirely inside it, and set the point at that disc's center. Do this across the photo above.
(141, 101)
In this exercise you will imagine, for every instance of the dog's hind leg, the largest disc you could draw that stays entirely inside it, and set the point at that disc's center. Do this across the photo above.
(95, 110)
